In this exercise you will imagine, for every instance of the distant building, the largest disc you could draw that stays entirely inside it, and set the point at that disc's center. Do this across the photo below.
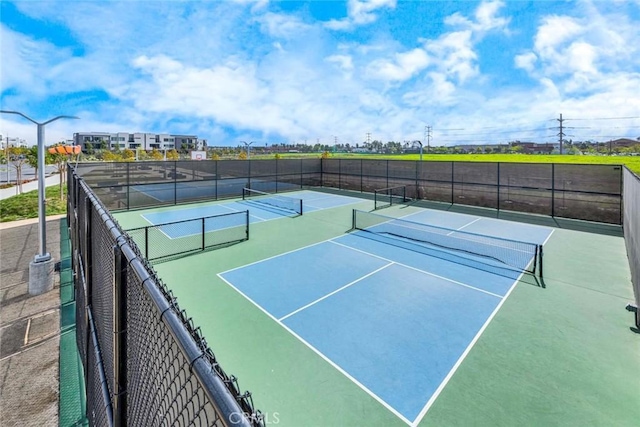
(7, 141)
(138, 141)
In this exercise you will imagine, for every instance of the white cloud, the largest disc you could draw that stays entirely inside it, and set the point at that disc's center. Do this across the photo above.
(345, 62)
(526, 61)
(404, 65)
(281, 25)
(486, 18)
(360, 12)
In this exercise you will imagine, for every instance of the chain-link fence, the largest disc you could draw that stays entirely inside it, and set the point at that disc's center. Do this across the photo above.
(162, 242)
(632, 232)
(586, 192)
(145, 363)
(137, 185)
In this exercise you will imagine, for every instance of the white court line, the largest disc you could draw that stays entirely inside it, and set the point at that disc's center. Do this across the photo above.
(548, 237)
(464, 226)
(237, 210)
(455, 367)
(335, 292)
(319, 353)
(417, 269)
(276, 256)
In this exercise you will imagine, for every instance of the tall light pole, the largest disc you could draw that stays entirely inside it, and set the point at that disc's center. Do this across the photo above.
(248, 145)
(41, 268)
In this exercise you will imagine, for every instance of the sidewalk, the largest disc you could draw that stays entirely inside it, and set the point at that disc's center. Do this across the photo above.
(34, 328)
(5, 193)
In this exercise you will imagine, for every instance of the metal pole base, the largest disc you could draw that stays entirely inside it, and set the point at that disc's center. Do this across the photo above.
(41, 276)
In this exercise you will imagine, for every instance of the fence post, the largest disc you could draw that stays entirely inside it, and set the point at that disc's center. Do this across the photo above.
(452, 181)
(277, 175)
(175, 182)
(120, 337)
(339, 174)
(498, 191)
(202, 234)
(361, 189)
(553, 189)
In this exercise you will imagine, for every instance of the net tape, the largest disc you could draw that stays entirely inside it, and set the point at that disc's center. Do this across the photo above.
(291, 204)
(512, 254)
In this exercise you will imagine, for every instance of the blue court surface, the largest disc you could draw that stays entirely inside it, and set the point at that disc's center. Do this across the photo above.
(258, 212)
(362, 302)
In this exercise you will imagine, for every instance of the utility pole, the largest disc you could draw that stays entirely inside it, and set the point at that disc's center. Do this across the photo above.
(335, 143)
(427, 136)
(368, 138)
(561, 134)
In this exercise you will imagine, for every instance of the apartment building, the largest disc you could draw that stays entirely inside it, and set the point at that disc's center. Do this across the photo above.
(11, 141)
(137, 141)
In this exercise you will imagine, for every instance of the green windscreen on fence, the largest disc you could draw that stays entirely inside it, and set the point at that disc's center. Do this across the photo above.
(632, 231)
(579, 191)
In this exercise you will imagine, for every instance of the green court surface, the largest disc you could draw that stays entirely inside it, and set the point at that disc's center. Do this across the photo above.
(562, 354)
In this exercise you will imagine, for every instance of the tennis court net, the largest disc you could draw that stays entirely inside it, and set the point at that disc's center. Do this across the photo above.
(290, 204)
(390, 196)
(495, 251)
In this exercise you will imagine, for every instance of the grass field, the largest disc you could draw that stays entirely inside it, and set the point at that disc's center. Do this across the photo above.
(632, 162)
(25, 205)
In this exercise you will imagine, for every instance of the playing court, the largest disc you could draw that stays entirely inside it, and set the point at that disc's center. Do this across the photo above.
(346, 316)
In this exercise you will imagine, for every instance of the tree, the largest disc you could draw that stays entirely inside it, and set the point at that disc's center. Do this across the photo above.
(173, 155)
(242, 155)
(103, 145)
(325, 155)
(89, 148)
(156, 155)
(109, 156)
(17, 156)
(128, 155)
(215, 156)
(32, 158)
(60, 160)
(277, 156)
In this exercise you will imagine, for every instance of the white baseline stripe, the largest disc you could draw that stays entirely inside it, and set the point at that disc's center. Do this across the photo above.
(319, 353)
(334, 292)
(417, 269)
(455, 367)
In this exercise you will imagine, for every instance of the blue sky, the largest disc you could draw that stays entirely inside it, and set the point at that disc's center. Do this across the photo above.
(288, 71)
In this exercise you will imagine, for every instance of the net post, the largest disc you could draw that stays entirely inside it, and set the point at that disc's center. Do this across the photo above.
(203, 228)
(300, 206)
(353, 219)
(247, 222)
(540, 260)
(146, 242)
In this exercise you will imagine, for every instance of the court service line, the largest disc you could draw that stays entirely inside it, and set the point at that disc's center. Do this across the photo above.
(419, 270)
(319, 353)
(465, 226)
(237, 210)
(464, 354)
(276, 256)
(336, 291)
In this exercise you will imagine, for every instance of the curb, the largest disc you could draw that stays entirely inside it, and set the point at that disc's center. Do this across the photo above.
(12, 224)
